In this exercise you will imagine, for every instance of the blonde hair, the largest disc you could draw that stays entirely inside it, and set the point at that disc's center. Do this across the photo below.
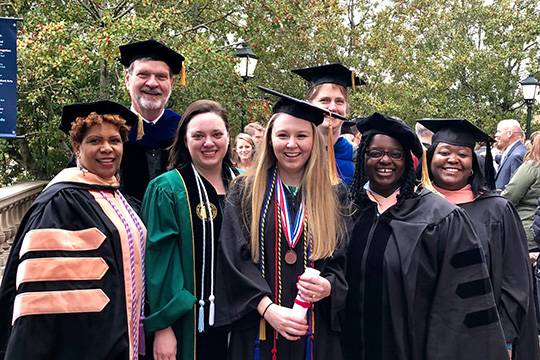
(322, 206)
(235, 159)
(533, 153)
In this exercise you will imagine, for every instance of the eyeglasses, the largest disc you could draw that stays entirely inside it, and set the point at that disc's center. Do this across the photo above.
(377, 154)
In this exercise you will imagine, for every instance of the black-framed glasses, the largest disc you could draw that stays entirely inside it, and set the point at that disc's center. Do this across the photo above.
(377, 154)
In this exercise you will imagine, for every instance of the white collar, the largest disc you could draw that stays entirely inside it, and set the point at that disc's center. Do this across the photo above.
(148, 121)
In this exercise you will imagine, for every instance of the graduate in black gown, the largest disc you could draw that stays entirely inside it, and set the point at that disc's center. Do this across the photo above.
(418, 281)
(455, 171)
(281, 217)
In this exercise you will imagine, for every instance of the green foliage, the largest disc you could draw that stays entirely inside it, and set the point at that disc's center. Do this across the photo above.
(420, 58)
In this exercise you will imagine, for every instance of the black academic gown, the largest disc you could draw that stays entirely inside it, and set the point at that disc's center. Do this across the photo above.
(148, 157)
(419, 288)
(73, 334)
(240, 288)
(503, 238)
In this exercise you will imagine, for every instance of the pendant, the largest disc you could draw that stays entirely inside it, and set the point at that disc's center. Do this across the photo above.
(290, 257)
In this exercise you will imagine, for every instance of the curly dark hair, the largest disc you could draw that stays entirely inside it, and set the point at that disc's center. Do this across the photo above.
(81, 125)
(408, 181)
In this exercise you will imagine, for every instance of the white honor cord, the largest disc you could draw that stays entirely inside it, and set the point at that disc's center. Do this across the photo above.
(207, 212)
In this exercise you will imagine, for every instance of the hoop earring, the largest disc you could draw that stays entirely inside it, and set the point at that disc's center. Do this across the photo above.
(472, 172)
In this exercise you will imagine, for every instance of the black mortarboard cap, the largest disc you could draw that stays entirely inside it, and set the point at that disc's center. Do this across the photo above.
(346, 128)
(300, 108)
(387, 125)
(153, 49)
(458, 132)
(461, 132)
(331, 73)
(70, 113)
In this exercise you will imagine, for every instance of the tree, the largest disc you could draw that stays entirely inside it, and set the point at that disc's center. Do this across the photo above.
(420, 58)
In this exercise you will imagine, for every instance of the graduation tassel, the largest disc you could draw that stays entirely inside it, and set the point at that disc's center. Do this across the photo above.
(353, 80)
(182, 81)
(334, 177)
(140, 127)
(257, 355)
(201, 316)
(262, 330)
(142, 340)
(212, 310)
(425, 181)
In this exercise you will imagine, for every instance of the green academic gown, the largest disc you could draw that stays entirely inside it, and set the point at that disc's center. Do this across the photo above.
(174, 260)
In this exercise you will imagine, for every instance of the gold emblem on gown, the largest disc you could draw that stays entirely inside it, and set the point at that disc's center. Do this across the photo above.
(201, 211)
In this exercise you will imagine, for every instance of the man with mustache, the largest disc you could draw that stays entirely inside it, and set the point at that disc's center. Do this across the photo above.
(149, 78)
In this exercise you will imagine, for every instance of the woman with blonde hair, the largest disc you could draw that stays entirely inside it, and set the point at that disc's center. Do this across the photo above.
(523, 189)
(243, 151)
(283, 217)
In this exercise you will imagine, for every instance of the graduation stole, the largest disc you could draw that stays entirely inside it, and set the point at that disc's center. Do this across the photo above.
(261, 331)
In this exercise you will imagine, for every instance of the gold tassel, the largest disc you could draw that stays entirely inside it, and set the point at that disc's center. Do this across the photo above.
(140, 127)
(353, 76)
(262, 330)
(182, 81)
(334, 177)
(425, 181)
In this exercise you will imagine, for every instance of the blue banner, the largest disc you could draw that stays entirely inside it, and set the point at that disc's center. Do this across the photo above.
(8, 77)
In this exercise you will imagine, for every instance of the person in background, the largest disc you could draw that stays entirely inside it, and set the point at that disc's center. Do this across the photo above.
(243, 152)
(351, 133)
(508, 136)
(73, 284)
(328, 89)
(280, 218)
(418, 283)
(455, 172)
(255, 130)
(183, 211)
(149, 78)
(423, 134)
(523, 189)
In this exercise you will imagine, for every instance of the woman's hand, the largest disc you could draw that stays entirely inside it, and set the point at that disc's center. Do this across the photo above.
(165, 344)
(286, 322)
(313, 288)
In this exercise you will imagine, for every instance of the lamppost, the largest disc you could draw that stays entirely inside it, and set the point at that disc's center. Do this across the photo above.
(529, 87)
(245, 68)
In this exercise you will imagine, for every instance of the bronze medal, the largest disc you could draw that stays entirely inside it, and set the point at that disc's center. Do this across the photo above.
(290, 257)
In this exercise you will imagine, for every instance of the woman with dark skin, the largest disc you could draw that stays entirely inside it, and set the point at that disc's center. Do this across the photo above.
(455, 172)
(418, 283)
(73, 285)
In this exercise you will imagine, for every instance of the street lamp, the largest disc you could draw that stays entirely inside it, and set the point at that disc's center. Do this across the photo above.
(530, 88)
(248, 61)
(245, 68)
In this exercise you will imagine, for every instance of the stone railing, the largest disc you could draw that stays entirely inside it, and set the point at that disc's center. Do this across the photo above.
(14, 201)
